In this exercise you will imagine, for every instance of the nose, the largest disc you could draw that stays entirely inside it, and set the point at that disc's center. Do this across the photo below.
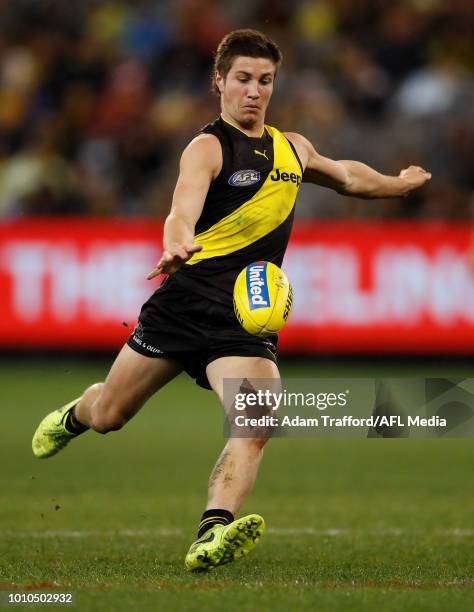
(252, 90)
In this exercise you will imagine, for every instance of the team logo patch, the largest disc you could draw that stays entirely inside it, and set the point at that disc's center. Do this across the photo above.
(257, 287)
(138, 331)
(244, 178)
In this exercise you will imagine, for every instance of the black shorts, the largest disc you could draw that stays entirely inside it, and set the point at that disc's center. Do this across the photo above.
(178, 323)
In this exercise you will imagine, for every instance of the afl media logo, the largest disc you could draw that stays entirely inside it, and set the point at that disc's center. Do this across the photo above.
(244, 178)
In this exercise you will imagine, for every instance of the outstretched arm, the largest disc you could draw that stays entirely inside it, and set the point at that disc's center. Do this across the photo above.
(354, 178)
(200, 164)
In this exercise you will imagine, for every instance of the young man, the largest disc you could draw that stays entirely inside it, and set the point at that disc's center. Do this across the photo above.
(233, 204)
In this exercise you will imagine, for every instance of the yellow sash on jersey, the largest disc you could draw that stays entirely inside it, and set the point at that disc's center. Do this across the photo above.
(264, 212)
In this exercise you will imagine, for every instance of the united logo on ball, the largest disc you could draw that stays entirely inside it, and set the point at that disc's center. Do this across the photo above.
(262, 298)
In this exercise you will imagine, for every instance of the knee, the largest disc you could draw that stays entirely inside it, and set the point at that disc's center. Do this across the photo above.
(258, 443)
(253, 446)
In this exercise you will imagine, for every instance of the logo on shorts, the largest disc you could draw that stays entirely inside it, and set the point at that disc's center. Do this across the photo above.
(270, 346)
(138, 331)
(244, 178)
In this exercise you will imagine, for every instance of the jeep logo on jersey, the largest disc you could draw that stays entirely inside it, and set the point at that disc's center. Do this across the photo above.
(257, 288)
(285, 177)
(244, 178)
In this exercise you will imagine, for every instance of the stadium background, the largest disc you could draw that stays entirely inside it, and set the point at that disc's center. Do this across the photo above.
(97, 99)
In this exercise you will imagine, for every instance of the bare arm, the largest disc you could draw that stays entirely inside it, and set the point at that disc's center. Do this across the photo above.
(354, 178)
(201, 162)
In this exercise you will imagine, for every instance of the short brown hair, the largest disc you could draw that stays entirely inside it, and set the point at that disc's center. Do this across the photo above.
(248, 43)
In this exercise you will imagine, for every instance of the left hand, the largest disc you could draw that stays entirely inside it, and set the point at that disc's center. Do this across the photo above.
(414, 177)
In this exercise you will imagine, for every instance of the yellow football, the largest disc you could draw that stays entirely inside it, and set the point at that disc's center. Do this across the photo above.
(262, 298)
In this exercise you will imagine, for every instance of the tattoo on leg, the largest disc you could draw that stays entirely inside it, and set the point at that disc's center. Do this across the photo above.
(223, 471)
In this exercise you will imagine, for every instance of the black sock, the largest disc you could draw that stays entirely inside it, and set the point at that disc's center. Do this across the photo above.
(214, 517)
(72, 425)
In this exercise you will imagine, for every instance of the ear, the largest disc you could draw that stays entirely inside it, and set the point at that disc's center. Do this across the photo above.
(219, 82)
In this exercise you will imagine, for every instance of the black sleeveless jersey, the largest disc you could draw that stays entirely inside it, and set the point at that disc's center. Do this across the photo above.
(248, 211)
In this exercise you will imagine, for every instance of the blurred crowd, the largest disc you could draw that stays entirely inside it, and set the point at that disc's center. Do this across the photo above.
(98, 98)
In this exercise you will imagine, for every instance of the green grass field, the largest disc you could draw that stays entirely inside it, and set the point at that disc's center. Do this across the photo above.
(352, 524)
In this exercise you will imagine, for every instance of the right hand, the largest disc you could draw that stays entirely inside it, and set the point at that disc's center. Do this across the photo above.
(173, 258)
(413, 178)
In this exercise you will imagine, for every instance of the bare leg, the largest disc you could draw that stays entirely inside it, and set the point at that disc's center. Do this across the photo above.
(236, 469)
(132, 380)
(234, 474)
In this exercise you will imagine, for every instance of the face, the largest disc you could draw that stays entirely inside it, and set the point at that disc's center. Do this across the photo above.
(247, 89)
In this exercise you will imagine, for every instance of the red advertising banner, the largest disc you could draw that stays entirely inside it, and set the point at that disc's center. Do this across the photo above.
(72, 283)
(359, 287)
(380, 288)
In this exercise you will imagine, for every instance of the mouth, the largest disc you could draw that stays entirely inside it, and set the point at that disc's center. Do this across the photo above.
(251, 107)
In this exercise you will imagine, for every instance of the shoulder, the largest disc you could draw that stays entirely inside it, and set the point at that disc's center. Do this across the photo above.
(302, 145)
(204, 142)
(204, 151)
(297, 139)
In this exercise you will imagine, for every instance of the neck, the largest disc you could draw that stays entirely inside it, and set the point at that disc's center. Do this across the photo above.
(255, 131)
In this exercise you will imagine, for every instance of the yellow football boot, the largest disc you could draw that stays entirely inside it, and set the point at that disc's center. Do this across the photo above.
(225, 543)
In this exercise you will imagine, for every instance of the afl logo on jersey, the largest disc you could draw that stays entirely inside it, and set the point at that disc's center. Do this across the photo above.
(244, 178)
